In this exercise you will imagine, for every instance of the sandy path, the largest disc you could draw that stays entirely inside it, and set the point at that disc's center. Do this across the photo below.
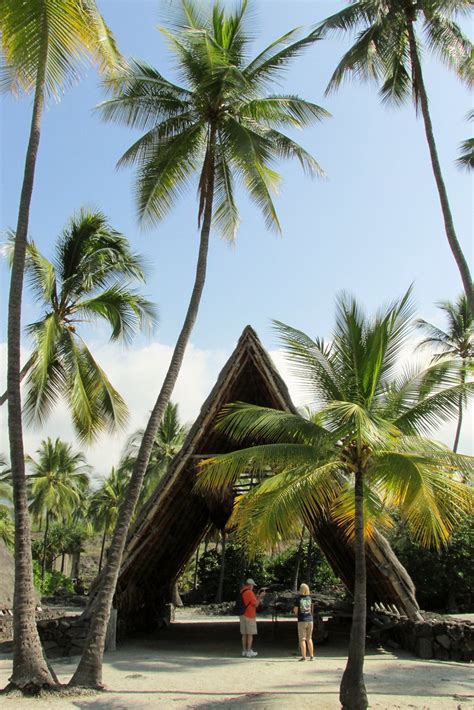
(198, 666)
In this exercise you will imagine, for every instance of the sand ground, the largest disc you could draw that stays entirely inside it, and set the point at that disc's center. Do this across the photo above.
(197, 665)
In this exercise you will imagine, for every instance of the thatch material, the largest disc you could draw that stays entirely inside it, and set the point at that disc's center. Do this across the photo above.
(7, 577)
(176, 518)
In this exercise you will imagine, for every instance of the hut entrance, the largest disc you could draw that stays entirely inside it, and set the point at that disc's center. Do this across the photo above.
(173, 523)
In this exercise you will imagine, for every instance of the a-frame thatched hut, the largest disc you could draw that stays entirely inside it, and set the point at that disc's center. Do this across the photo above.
(171, 526)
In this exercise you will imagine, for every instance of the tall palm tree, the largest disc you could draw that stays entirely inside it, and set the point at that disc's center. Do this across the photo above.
(366, 456)
(168, 441)
(221, 124)
(456, 342)
(105, 504)
(88, 279)
(44, 43)
(466, 158)
(58, 480)
(388, 50)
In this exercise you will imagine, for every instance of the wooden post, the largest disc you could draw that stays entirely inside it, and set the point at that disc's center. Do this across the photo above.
(111, 633)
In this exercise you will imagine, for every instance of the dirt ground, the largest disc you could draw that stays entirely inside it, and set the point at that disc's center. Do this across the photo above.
(197, 665)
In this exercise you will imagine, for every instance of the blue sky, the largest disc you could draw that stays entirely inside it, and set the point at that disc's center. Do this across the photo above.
(372, 226)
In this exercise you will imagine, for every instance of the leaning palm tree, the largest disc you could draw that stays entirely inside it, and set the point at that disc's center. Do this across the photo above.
(388, 50)
(90, 278)
(168, 441)
(57, 482)
(466, 157)
(365, 456)
(222, 125)
(44, 45)
(456, 342)
(105, 504)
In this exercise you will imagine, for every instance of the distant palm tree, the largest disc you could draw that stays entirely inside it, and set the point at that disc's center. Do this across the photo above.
(456, 342)
(44, 45)
(105, 504)
(6, 490)
(57, 483)
(168, 441)
(466, 158)
(222, 125)
(365, 457)
(88, 279)
(388, 50)
(7, 527)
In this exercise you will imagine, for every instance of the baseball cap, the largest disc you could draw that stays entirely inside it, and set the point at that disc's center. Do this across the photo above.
(250, 581)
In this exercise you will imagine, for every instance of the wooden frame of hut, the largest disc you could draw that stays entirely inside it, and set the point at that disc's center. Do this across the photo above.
(176, 518)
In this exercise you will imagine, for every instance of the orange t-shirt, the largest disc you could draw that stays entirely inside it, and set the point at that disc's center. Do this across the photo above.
(250, 602)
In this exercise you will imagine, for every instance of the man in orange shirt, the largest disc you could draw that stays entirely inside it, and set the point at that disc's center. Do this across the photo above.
(248, 621)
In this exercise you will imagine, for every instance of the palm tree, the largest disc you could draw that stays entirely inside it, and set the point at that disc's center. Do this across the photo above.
(456, 342)
(7, 527)
(44, 44)
(366, 456)
(88, 279)
(105, 504)
(57, 483)
(222, 125)
(168, 441)
(388, 50)
(466, 158)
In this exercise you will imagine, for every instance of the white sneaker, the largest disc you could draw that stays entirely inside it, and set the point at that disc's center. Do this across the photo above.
(252, 654)
(244, 654)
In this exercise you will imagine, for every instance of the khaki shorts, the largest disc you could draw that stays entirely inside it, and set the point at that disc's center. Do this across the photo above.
(248, 627)
(305, 630)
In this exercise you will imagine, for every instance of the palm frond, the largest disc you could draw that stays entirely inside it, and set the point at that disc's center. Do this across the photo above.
(126, 311)
(75, 32)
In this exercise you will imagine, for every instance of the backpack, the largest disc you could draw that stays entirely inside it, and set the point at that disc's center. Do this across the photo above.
(239, 606)
(305, 605)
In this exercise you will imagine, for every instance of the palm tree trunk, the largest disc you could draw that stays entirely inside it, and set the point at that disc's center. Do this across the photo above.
(458, 428)
(220, 586)
(24, 371)
(30, 670)
(443, 195)
(102, 550)
(299, 555)
(45, 545)
(89, 671)
(353, 695)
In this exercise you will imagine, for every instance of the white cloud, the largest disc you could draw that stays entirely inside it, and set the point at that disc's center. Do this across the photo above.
(138, 372)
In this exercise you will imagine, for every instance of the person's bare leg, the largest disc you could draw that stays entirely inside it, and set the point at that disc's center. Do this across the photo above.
(249, 642)
(303, 649)
(244, 642)
(310, 647)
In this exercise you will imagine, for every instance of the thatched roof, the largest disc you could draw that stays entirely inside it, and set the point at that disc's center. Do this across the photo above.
(7, 577)
(171, 526)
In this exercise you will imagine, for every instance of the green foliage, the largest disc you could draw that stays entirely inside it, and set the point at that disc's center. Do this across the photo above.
(219, 123)
(89, 279)
(371, 422)
(314, 569)
(237, 569)
(52, 583)
(443, 579)
(7, 527)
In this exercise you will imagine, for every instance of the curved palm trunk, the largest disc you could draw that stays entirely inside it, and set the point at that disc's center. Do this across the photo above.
(24, 371)
(89, 671)
(458, 428)
(30, 670)
(353, 695)
(443, 195)
(102, 548)
(45, 544)
(460, 409)
(299, 555)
